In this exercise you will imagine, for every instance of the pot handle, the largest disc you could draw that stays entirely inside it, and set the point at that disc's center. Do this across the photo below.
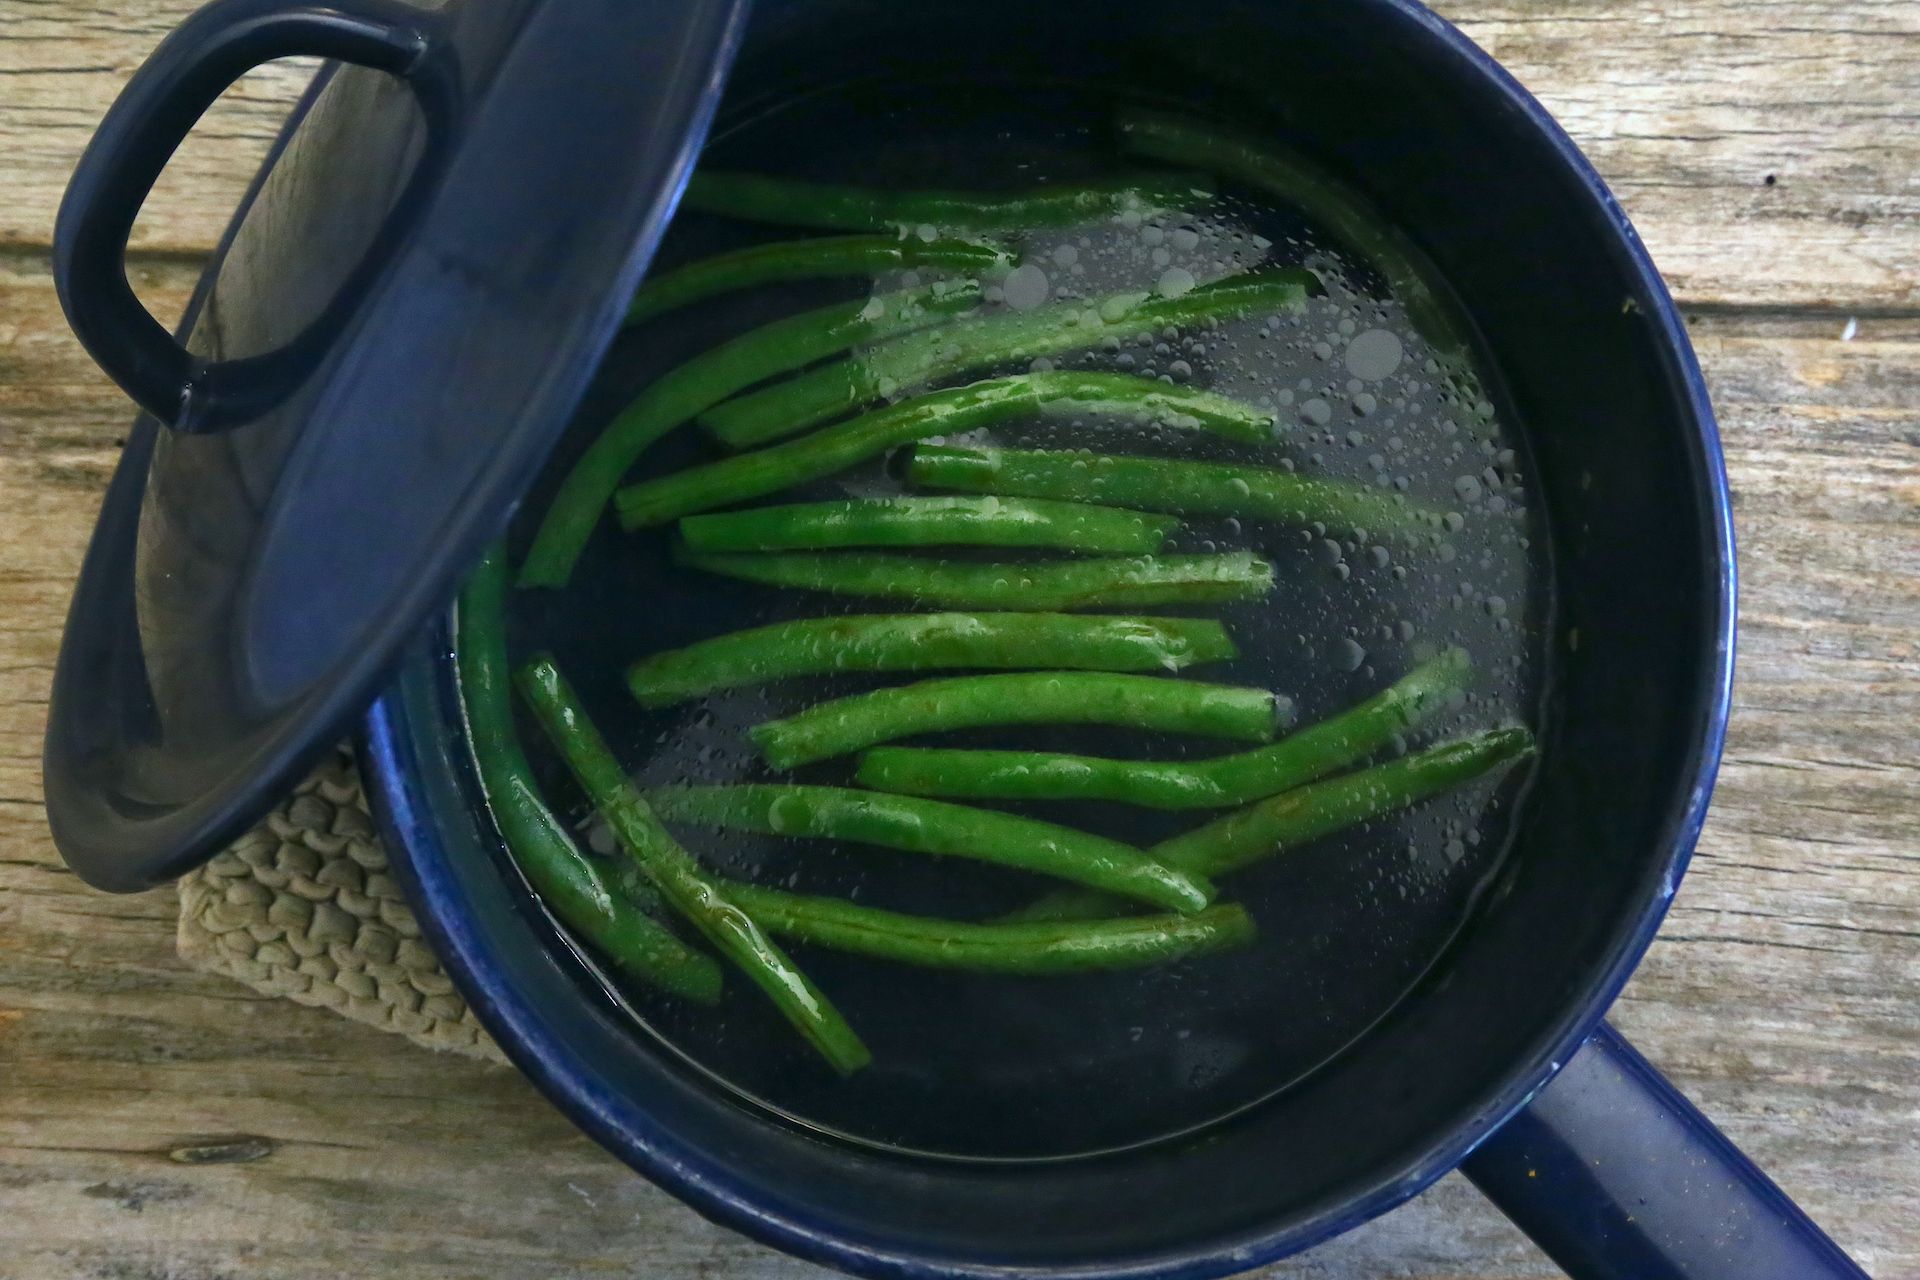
(147, 122)
(1618, 1177)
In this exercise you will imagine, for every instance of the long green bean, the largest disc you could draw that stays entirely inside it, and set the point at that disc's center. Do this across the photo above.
(678, 877)
(1306, 813)
(1162, 784)
(565, 878)
(984, 341)
(810, 260)
(925, 642)
(979, 404)
(704, 380)
(930, 522)
(836, 207)
(1105, 582)
(1037, 697)
(1038, 948)
(1325, 199)
(932, 826)
(1168, 484)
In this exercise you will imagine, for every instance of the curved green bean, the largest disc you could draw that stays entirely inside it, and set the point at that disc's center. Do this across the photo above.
(925, 642)
(564, 877)
(1106, 582)
(1162, 784)
(837, 207)
(1306, 813)
(1037, 697)
(1037, 948)
(704, 380)
(1325, 199)
(681, 882)
(984, 341)
(979, 404)
(1168, 484)
(809, 260)
(930, 522)
(933, 826)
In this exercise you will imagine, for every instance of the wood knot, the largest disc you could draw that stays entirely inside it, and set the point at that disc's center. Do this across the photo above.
(236, 1149)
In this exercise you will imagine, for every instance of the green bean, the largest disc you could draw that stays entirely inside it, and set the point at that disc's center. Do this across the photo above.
(1325, 199)
(835, 448)
(565, 878)
(1038, 948)
(1295, 817)
(810, 260)
(1168, 484)
(932, 826)
(1106, 582)
(1187, 784)
(930, 522)
(704, 380)
(757, 198)
(686, 888)
(925, 642)
(1039, 697)
(983, 341)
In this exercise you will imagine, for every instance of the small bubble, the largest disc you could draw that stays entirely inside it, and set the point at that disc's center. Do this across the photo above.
(1026, 287)
(1317, 411)
(1174, 282)
(1349, 655)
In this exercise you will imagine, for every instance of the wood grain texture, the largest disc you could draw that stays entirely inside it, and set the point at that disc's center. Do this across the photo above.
(155, 1122)
(1687, 108)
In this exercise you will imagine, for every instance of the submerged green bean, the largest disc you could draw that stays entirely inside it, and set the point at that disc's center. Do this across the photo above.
(1325, 199)
(839, 207)
(1306, 813)
(1038, 697)
(979, 404)
(568, 881)
(925, 642)
(930, 522)
(1106, 582)
(1168, 484)
(1222, 781)
(932, 826)
(1038, 948)
(679, 879)
(984, 341)
(710, 377)
(810, 260)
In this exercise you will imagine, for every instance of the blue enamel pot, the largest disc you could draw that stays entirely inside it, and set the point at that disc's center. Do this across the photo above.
(1502, 1065)
(1499, 1064)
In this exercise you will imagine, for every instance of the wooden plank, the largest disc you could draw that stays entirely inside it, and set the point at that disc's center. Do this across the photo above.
(1781, 993)
(1687, 109)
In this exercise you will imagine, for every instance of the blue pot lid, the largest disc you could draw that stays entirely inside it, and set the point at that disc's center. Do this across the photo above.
(396, 329)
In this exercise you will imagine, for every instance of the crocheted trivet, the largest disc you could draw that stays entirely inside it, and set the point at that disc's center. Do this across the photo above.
(302, 907)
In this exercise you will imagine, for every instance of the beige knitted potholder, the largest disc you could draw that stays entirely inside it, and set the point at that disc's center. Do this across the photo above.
(302, 907)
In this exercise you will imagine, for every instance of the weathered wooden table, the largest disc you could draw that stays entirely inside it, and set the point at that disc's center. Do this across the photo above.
(1769, 151)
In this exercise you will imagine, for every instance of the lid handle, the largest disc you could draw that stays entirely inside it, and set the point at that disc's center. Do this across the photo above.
(163, 100)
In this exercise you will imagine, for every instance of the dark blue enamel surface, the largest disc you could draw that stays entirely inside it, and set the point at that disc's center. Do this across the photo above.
(1618, 1177)
(383, 351)
(1598, 360)
(1628, 461)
